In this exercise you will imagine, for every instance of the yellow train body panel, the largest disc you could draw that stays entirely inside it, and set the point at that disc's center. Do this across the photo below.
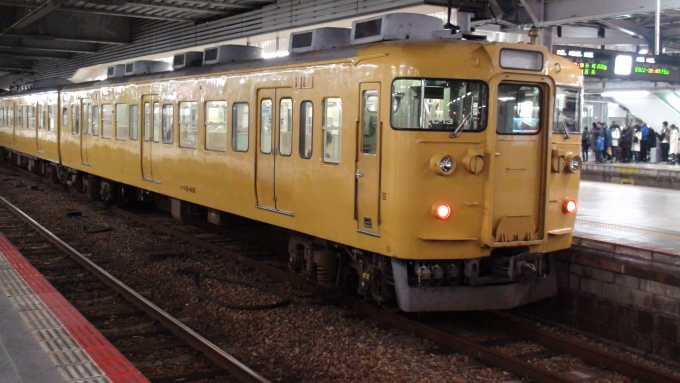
(505, 190)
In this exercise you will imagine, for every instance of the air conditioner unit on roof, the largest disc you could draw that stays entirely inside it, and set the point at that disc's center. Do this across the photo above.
(187, 60)
(395, 26)
(115, 71)
(317, 39)
(230, 53)
(145, 66)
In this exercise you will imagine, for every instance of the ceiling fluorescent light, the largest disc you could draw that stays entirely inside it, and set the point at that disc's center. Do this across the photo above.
(626, 93)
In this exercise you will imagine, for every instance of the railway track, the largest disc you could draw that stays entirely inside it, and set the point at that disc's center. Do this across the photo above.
(248, 252)
(96, 298)
(484, 352)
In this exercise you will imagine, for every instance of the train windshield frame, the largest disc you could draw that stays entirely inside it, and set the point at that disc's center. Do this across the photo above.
(447, 105)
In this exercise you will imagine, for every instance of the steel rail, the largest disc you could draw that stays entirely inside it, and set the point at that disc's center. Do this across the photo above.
(224, 360)
(484, 354)
(587, 353)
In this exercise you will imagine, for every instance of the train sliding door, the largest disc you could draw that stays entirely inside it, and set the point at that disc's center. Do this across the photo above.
(274, 148)
(86, 131)
(151, 133)
(521, 127)
(368, 161)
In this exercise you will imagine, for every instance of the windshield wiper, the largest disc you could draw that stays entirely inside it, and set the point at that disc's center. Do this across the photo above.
(460, 127)
(566, 130)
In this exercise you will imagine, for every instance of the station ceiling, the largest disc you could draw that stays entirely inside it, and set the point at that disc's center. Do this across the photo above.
(47, 38)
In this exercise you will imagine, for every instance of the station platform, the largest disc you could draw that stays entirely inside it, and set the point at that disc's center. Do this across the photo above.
(641, 174)
(43, 338)
(636, 216)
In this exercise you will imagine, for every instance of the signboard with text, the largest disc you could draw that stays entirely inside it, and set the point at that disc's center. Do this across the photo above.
(603, 63)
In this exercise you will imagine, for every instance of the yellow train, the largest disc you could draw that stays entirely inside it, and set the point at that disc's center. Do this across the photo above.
(440, 173)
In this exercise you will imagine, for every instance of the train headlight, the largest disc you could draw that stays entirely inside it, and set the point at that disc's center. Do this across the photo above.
(569, 206)
(441, 210)
(443, 164)
(573, 163)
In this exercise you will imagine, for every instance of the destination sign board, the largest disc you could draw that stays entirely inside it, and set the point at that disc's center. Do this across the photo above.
(603, 63)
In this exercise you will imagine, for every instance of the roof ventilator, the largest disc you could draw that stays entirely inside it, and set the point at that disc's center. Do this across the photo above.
(145, 67)
(187, 60)
(462, 30)
(318, 39)
(115, 71)
(231, 53)
(394, 26)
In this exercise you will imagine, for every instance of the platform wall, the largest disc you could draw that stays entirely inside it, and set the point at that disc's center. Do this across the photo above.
(628, 295)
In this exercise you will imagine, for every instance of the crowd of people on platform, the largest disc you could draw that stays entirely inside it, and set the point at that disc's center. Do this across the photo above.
(631, 145)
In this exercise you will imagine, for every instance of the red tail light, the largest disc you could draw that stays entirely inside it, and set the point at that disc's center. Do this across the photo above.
(569, 206)
(441, 210)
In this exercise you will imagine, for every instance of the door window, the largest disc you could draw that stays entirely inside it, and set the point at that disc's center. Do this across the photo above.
(147, 121)
(87, 119)
(286, 126)
(75, 112)
(156, 122)
(567, 110)
(519, 109)
(266, 126)
(95, 120)
(239, 126)
(306, 124)
(370, 122)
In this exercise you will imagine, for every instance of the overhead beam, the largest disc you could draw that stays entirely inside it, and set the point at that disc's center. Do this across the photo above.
(75, 40)
(671, 32)
(36, 15)
(47, 45)
(148, 4)
(30, 54)
(628, 27)
(534, 9)
(569, 11)
(600, 41)
(124, 14)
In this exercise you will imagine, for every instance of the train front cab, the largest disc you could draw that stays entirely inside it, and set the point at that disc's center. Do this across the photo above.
(491, 199)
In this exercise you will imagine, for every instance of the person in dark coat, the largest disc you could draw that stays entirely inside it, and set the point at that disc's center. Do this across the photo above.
(644, 143)
(608, 144)
(585, 145)
(625, 143)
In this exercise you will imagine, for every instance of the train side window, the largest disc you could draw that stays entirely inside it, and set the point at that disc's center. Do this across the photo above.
(121, 121)
(75, 113)
(95, 120)
(2, 116)
(87, 119)
(107, 120)
(31, 117)
(306, 123)
(10, 116)
(168, 123)
(23, 116)
(64, 116)
(266, 115)
(188, 124)
(51, 109)
(332, 129)
(134, 122)
(285, 126)
(240, 126)
(156, 122)
(216, 125)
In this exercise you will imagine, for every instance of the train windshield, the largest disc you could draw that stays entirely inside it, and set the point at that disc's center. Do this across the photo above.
(567, 109)
(439, 105)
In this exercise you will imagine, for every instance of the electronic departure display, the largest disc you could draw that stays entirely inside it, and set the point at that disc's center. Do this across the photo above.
(603, 63)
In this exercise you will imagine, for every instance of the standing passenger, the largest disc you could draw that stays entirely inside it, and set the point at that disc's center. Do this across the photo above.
(608, 144)
(599, 150)
(644, 145)
(585, 144)
(616, 150)
(625, 143)
(664, 137)
(674, 144)
(637, 143)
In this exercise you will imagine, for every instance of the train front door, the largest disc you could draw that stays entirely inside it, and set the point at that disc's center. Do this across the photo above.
(521, 130)
(86, 131)
(151, 133)
(368, 160)
(273, 163)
